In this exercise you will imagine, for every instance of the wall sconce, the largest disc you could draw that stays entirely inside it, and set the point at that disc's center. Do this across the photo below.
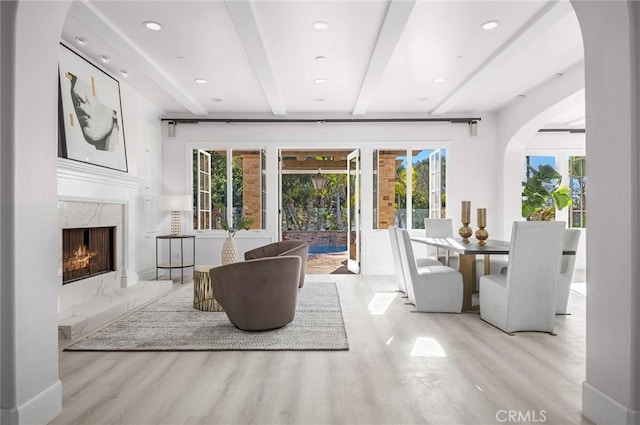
(473, 128)
(171, 126)
(176, 204)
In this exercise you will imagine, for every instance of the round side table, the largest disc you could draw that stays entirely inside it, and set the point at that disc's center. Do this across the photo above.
(203, 298)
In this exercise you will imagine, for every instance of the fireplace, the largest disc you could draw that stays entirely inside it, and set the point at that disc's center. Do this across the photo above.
(86, 252)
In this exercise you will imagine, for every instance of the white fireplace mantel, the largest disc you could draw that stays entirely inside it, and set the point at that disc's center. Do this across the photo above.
(81, 182)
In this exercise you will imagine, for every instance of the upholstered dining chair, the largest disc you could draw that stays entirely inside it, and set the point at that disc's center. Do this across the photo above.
(395, 251)
(258, 294)
(571, 241)
(275, 249)
(440, 228)
(525, 298)
(432, 289)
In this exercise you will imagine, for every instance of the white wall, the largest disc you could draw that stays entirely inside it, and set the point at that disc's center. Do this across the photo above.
(471, 166)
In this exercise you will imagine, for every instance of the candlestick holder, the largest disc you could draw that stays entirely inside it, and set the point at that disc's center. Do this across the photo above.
(465, 231)
(481, 234)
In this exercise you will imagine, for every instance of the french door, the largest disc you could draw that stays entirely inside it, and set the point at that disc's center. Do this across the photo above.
(353, 211)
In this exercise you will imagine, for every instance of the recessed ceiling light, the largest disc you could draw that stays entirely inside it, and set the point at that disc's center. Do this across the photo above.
(490, 25)
(152, 25)
(200, 81)
(81, 41)
(423, 99)
(320, 26)
(318, 99)
(439, 80)
(104, 58)
(521, 96)
(559, 74)
(459, 57)
(319, 81)
(217, 99)
(179, 57)
(124, 72)
(320, 58)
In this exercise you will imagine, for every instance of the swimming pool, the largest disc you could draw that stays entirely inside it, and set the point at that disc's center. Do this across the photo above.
(325, 249)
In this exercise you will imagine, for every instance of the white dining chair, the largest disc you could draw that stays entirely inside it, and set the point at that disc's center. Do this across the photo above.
(395, 250)
(432, 289)
(440, 228)
(571, 241)
(525, 298)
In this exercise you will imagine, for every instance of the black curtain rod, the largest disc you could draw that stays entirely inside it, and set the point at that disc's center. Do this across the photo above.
(319, 121)
(562, 130)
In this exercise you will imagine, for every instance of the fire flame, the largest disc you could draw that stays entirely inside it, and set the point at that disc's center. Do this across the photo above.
(78, 259)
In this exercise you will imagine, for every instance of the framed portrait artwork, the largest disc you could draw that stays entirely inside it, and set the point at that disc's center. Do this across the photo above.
(91, 128)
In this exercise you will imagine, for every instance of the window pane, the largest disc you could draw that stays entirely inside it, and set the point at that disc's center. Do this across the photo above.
(578, 186)
(420, 187)
(392, 188)
(247, 190)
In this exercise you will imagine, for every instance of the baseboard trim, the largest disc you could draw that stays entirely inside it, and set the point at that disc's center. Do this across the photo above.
(41, 409)
(601, 409)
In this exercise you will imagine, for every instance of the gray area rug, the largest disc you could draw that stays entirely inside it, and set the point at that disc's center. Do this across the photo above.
(172, 324)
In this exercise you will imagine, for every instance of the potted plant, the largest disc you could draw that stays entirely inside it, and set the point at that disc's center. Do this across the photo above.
(229, 252)
(542, 193)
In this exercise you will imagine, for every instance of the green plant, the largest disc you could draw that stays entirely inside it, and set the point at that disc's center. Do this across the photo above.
(542, 193)
(242, 224)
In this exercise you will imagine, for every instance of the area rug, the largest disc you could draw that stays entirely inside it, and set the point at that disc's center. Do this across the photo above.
(172, 324)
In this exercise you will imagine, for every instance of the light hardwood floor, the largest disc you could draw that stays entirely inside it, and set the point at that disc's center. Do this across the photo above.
(483, 375)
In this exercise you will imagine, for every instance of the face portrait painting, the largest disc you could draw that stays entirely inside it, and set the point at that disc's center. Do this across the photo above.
(98, 122)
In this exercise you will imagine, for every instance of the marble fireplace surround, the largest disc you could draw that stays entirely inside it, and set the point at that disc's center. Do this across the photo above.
(90, 196)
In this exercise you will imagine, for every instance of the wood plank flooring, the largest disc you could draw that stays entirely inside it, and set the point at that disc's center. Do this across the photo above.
(481, 375)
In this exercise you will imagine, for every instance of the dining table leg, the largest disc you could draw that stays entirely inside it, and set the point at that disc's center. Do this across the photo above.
(467, 268)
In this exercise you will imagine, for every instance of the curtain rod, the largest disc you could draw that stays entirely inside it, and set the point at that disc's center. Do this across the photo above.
(318, 120)
(562, 130)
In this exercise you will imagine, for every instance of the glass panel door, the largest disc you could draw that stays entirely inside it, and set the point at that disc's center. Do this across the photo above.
(353, 211)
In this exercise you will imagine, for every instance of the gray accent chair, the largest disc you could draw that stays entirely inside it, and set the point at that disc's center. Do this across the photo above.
(276, 249)
(260, 294)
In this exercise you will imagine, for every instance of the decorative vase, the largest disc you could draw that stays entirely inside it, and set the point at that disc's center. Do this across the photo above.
(229, 251)
(465, 231)
(481, 233)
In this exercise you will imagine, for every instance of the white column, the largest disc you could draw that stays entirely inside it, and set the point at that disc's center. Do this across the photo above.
(30, 391)
(611, 393)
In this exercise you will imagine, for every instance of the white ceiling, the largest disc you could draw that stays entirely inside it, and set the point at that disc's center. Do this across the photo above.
(381, 56)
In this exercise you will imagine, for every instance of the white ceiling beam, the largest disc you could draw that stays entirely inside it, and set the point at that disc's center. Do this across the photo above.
(247, 27)
(394, 23)
(94, 19)
(550, 14)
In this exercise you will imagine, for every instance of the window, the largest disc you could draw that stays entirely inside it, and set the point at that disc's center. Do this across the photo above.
(578, 186)
(406, 202)
(228, 185)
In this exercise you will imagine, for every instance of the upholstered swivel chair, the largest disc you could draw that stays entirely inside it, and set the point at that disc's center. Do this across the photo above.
(433, 289)
(525, 298)
(571, 241)
(259, 294)
(395, 250)
(299, 248)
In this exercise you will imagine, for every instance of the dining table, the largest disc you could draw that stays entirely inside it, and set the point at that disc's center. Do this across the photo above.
(467, 252)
